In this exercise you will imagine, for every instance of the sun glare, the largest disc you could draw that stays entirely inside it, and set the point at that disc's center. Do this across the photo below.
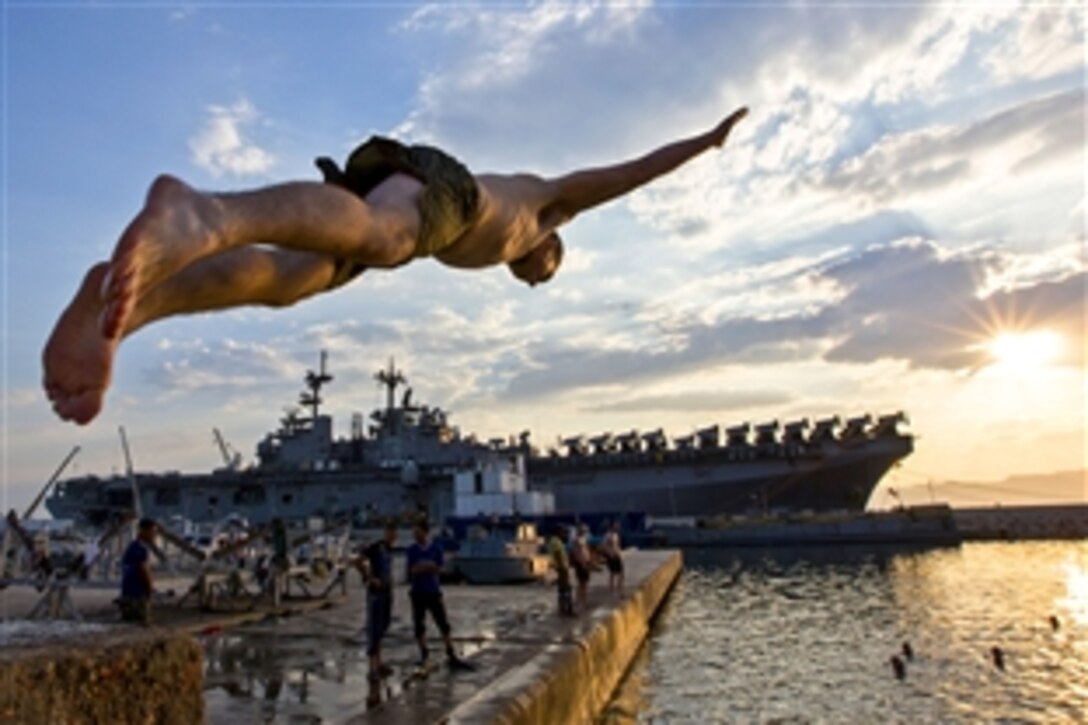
(1076, 581)
(1025, 351)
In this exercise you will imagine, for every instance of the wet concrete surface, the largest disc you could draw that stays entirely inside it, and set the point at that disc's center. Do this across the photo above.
(307, 662)
(313, 668)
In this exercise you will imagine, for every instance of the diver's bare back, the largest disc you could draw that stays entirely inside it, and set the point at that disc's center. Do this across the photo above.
(512, 217)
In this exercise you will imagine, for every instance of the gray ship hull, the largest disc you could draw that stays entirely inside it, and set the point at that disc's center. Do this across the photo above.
(713, 485)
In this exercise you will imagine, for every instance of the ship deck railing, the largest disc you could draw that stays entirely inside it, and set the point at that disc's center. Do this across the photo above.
(731, 454)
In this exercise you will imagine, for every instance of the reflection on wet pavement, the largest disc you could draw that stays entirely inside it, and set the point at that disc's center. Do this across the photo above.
(313, 668)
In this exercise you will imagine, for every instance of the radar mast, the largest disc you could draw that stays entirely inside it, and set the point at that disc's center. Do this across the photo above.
(391, 378)
(311, 398)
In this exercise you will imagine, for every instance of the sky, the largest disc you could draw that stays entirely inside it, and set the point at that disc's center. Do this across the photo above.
(898, 225)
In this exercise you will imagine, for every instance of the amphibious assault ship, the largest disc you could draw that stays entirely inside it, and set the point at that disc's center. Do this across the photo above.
(405, 462)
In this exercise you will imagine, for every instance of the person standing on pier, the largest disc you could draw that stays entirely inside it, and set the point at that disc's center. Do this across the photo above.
(561, 563)
(613, 557)
(425, 560)
(581, 561)
(378, 558)
(136, 583)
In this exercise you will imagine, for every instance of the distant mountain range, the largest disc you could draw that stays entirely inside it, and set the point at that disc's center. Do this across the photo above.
(1020, 490)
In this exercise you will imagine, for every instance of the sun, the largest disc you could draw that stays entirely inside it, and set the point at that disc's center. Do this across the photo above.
(1025, 351)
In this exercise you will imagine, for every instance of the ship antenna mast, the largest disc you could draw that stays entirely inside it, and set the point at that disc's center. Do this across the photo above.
(314, 382)
(390, 378)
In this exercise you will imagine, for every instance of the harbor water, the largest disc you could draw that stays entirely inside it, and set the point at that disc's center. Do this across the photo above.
(807, 635)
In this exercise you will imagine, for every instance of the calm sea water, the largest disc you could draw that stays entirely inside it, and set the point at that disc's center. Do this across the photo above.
(807, 636)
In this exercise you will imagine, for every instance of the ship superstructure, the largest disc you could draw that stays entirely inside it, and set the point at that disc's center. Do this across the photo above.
(406, 457)
(827, 466)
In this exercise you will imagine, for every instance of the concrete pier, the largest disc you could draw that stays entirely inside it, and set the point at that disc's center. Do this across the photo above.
(553, 669)
(307, 661)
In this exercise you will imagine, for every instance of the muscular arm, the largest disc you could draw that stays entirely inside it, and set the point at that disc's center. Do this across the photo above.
(581, 190)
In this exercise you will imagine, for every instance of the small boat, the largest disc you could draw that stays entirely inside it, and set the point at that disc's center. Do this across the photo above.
(503, 552)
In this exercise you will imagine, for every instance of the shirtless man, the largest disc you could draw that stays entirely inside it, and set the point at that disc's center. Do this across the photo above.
(189, 251)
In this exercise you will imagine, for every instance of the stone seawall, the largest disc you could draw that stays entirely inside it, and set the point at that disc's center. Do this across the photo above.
(1009, 523)
(148, 676)
(572, 682)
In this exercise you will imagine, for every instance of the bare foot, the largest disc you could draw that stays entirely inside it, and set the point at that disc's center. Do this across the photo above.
(722, 131)
(77, 360)
(174, 228)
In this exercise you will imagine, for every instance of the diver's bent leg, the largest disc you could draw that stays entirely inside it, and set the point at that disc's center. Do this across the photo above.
(77, 361)
(179, 225)
(239, 277)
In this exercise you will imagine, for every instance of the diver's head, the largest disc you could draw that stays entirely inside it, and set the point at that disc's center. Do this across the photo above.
(541, 264)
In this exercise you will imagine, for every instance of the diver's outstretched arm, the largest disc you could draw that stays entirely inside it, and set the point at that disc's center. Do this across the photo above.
(581, 190)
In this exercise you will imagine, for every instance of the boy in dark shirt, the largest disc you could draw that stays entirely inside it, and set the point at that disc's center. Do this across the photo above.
(136, 586)
(379, 598)
(425, 561)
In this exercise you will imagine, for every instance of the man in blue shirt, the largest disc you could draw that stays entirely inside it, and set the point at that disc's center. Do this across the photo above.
(425, 561)
(136, 586)
(378, 557)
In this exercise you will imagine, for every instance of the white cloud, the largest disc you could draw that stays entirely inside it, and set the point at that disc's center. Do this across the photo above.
(1041, 41)
(921, 53)
(1044, 131)
(509, 42)
(912, 301)
(1019, 269)
(198, 365)
(220, 147)
(930, 52)
(514, 73)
